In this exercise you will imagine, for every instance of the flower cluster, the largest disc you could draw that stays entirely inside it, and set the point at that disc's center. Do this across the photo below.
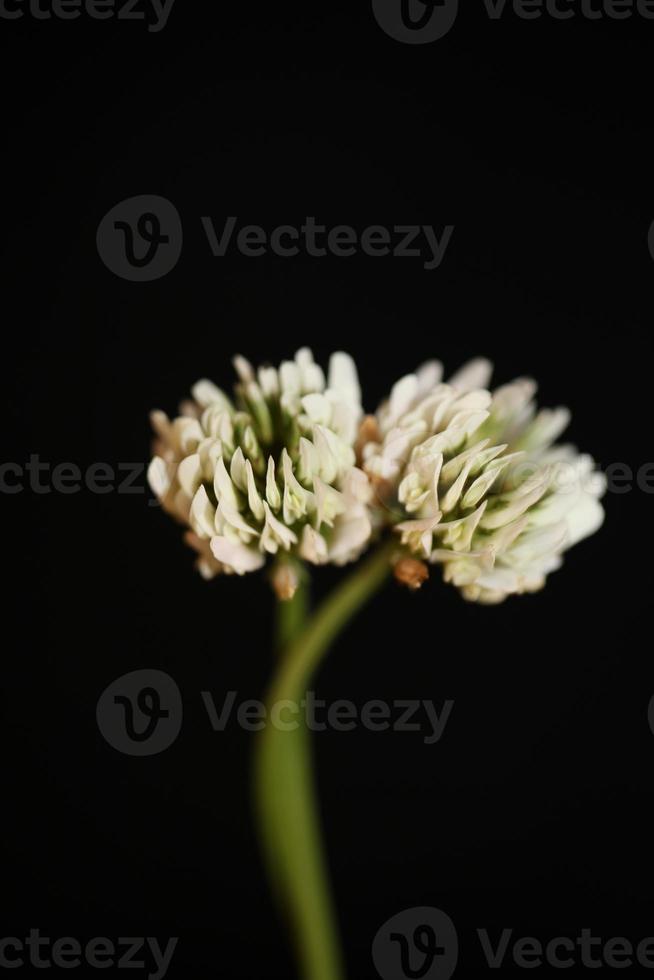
(471, 480)
(270, 470)
(288, 466)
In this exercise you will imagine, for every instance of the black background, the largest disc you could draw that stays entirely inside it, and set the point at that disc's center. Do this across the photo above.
(534, 140)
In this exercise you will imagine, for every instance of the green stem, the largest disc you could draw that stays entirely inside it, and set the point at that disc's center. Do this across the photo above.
(291, 615)
(288, 813)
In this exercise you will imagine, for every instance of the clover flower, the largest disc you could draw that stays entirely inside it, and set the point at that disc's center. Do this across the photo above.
(270, 471)
(288, 468)
(472, 481)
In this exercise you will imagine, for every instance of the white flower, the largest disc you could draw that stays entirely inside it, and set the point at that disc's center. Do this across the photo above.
(269, 471)
(470, 480)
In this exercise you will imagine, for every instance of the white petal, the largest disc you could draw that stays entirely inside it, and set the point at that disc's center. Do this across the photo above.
(235, 520)
(275, 533)
(584, 519)
(501, 580)
(474, 374)
(453, 495)
(304, 358)
(534, 545)
(158, 477)
(236, 555)
(403, 394)
(345, 418)
(243, 368)
(544, 430)
(190, 434)
(458, 534)
(297, 500)
(223, 486)
(161, 424)
(318, 408)
(255, 502)
(343, 377)
(329, 503)
(351, 533)
(237, 470)
(269, 381)
(189, 474)
(308, 463)
(428, 374)
(327, 461)
(356, 486)
(202, 514)
(507, 507)
(312, 377)
(206, 393)
(313, 546)
(290, 379)
(418, 534)
(273, 495)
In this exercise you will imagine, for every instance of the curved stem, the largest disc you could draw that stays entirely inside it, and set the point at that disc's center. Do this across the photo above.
(287, 808)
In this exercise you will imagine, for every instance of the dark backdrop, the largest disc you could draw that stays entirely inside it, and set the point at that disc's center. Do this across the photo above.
(533, 138)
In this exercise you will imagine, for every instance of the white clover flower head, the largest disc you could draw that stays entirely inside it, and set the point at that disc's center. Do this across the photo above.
(472, 481)
(269, 471)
